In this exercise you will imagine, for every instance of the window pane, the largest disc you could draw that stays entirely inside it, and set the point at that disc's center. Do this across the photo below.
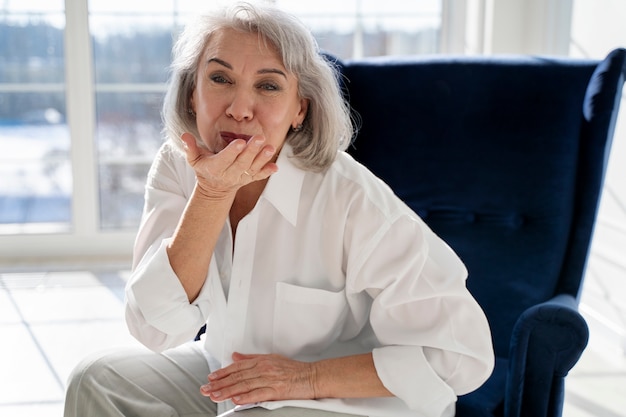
(141, 55)
(358, 28)
(141, 7)
(132, 48)
(128, 136)
(47, 7)
(36, 186)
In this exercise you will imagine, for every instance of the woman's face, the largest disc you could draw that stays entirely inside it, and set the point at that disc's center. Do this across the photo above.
(243, 89)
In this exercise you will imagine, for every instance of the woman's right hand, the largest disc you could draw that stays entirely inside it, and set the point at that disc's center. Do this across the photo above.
(237, 165)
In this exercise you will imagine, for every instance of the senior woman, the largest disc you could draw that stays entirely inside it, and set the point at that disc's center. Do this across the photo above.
(322, 293)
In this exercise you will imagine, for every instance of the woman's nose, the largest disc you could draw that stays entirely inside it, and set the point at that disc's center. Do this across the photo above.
(241, 106)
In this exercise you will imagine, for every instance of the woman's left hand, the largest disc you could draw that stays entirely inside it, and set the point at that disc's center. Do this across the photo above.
(256, 378)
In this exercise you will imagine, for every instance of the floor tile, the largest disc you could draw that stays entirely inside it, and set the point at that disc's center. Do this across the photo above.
(67, 344)
(26, 375)
(22, 279)
(8, 312)
(71, 279)
(597, 384)
(45, 305)
(45, 409)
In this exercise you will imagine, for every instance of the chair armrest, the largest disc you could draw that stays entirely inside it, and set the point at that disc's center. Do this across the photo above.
(547, 341)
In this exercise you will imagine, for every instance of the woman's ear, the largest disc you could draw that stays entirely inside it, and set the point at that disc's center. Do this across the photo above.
(192, 104)
(304, 108)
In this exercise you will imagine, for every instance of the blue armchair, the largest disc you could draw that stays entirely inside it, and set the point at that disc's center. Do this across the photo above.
(504, 157)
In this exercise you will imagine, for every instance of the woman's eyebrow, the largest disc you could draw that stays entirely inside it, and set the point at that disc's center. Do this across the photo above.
(261, 71)
(219, 61)
(272, 71)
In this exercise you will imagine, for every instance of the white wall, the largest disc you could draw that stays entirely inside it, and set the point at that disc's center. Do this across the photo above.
(597, 28)
(538, 27)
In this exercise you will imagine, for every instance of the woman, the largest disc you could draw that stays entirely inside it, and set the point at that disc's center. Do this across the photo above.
(321, 291)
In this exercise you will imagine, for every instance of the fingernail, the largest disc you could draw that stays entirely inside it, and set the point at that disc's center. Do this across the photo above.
(216, 394)
(212, 376)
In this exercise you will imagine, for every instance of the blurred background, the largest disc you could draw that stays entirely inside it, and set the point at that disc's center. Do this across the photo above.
(81, 83)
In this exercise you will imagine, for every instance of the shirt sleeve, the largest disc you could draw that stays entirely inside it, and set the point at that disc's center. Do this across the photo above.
(436, 341)
(158, 312)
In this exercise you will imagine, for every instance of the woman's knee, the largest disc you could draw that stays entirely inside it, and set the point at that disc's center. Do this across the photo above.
(138, 382)
(91, 377)
(92, 372)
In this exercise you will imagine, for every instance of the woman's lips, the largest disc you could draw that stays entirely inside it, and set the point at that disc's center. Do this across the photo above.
(228, 137)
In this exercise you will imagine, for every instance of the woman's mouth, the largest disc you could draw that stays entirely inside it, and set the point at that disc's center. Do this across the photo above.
(228, 137)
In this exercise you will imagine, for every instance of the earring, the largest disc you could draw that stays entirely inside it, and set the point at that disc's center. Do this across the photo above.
(297, 128)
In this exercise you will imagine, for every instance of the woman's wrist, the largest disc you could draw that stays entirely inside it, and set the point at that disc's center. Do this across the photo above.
(347, 377)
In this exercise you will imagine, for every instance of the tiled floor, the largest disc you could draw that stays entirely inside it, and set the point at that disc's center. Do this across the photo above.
(49, 321)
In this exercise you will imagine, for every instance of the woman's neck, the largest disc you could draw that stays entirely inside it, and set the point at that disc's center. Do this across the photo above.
(245, 200)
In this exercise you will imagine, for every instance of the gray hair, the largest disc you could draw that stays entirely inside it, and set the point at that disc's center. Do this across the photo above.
(327, 127)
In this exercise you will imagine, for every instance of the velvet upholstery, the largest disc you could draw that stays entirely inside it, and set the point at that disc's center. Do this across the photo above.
(504, 157)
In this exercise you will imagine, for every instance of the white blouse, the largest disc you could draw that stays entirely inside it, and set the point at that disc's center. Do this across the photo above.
(325, 265)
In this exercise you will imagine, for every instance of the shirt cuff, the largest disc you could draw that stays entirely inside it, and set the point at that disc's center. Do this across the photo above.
(162, 300)
(405, 371)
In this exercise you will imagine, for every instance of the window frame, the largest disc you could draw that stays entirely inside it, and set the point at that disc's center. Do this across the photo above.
(85, 239)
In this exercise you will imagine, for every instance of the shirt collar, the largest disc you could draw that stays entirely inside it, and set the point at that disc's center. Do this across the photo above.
(284, 187)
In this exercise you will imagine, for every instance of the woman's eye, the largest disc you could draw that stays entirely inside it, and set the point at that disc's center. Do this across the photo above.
(219, 79)
(269, 86)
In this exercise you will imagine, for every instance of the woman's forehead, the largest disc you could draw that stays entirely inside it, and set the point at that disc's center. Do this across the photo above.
(233, 39)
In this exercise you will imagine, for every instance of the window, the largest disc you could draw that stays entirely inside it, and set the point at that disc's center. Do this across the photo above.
(357, 28)
(131, 51)
(36, 185)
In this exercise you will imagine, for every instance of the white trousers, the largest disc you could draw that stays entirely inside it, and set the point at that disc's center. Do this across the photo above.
(138, 382)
